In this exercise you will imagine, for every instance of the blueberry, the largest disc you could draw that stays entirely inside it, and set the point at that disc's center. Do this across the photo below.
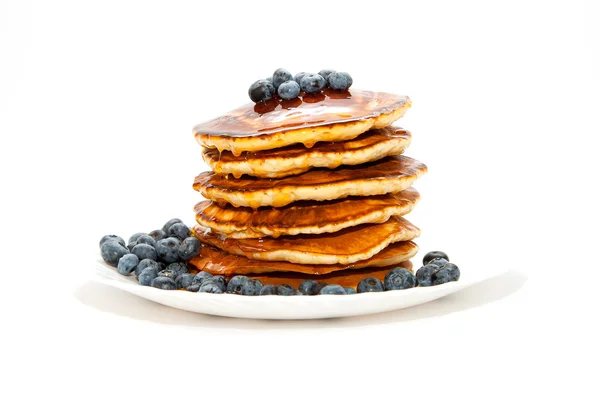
(312, 83)
(236, 284)
(158, 234)
(280, 76)
(164, 282)
(425, 275)
(169, 273)
(179, 231)
(147, 263)
(180, 268)
(286, 290)
(441, 276)
(269, 79)
(111, 237)
(325, 73)
(268, 290)
(189, 248)
(168, 224)
(369, 284)
(184, 280)
(220, 281)
(133, 239)
(147, 276)
(350, 290)
(261, 90)
(339, 80)
(454, 271)
(288, 90)
(433, 255)
(161, 266)
(112, 251)
(333, 289)
(438, 262)
(144, 251)
(146, 239)
(448, 273)
(298, 77)
(320, 285)
(127, 264)
(399, 278)
(252, 287)
(210, 287)
(307, 287)
(194, 287)
(200, 276)
(168, 249)
(215, 281)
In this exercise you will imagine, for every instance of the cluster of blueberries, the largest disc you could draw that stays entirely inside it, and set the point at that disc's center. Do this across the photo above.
(437, 269)
(288, 87)
(159, 259)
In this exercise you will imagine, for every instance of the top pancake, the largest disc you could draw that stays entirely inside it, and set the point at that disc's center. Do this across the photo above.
(329, 116)
(296, 159)
(389, 175)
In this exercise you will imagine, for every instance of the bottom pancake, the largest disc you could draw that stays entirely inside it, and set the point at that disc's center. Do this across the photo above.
(218, 262)
(347, 278)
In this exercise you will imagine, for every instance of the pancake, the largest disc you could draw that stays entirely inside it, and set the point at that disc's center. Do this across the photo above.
(296, 159)
(308, 217)
(343, 247)
(389, 175)
(331, 116)
(346, 278)
(218, 262)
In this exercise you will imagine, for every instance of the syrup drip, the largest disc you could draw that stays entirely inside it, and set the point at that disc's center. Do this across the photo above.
(365, 140)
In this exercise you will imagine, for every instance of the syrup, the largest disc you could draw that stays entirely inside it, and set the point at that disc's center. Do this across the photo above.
(275, 115)
(346, 278)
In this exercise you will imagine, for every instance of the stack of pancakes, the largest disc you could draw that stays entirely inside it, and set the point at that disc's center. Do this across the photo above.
(311, 188)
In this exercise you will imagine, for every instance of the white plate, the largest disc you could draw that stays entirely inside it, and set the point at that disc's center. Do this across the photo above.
(287, 307)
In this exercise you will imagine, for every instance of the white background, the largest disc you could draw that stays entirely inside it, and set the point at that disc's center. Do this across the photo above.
(97, 102)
